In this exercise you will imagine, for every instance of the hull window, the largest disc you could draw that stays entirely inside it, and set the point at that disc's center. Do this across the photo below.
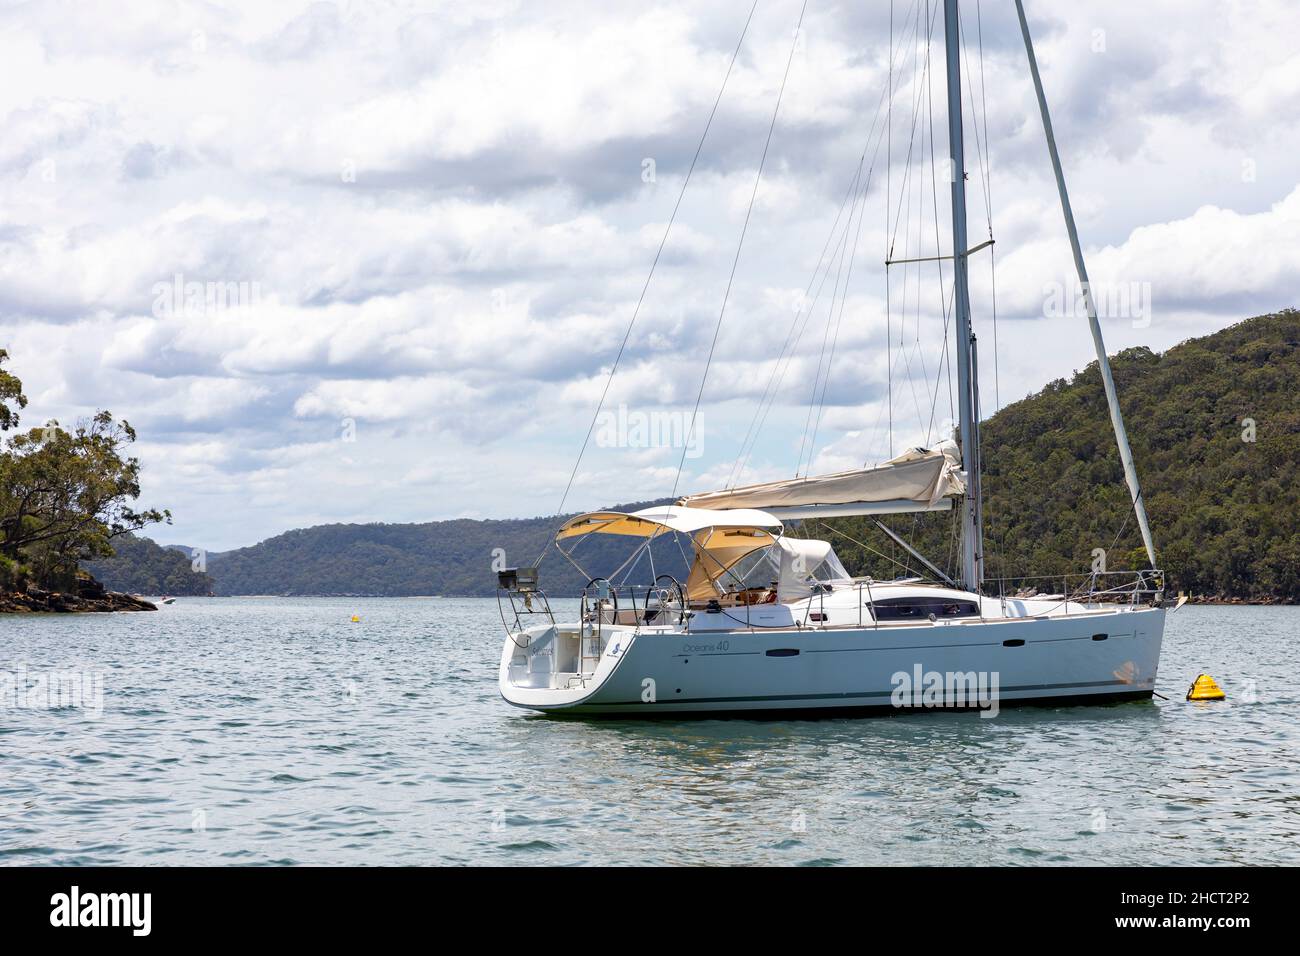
(921, 608)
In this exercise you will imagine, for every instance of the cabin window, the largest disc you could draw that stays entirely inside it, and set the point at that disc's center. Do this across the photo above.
(921, 607)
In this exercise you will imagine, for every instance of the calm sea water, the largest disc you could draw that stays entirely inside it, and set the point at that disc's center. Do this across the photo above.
(276, 731)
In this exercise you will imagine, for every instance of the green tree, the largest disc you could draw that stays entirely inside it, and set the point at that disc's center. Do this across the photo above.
(64, 495)
(11, 395)
(139, 566)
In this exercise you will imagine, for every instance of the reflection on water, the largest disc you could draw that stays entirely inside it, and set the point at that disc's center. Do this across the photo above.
(276, 731)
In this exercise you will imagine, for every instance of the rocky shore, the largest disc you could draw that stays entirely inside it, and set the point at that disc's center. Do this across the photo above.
(1219, 599)
(89, 596)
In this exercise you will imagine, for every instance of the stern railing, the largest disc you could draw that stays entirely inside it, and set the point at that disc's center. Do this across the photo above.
(525, 608)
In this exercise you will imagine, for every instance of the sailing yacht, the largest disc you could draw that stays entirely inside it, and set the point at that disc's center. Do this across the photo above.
(766, 621)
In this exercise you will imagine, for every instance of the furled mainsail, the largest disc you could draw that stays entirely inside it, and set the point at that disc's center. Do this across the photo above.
(917, 480)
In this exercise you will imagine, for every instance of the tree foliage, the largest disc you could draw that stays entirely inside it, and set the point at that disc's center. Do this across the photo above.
(65, 494)
(1215, 428)
(438, 557)
(139, 566)
(11, 396)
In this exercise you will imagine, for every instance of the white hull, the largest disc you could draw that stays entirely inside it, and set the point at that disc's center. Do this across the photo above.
(631, 672)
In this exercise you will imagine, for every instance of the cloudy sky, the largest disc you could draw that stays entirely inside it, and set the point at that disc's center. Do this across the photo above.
(372, 261)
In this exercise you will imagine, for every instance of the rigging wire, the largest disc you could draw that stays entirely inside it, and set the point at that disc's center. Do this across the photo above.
(993, 269)
(653, 265)
(893, 359)
(803, 310)
(982, 147)
(947, 305)
(844, 297)
(892, 226)
(782, 366)
(821, 380)
(812, 424)
(997, 386)
(889, 163)
(862, 544)
(758, 178)
(943, 368)
(934, 199)
(821, 357)
(917, 350)
(908, 185)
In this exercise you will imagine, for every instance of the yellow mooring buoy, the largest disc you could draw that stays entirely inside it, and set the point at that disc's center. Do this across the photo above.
(1204, 688)
(357, 620)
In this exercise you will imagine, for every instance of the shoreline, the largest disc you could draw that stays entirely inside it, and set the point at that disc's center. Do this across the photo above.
(1209, 601)
(1214, 601)
(90, 597)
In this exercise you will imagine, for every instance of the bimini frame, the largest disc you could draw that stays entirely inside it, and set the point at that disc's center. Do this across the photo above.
(721, 539)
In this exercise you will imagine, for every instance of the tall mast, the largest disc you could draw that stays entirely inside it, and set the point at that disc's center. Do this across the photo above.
(972, 530)
(1108, 381)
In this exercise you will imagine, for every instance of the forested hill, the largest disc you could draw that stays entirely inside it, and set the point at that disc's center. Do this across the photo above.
(139, 566)
(1215, 428)
(439, 557)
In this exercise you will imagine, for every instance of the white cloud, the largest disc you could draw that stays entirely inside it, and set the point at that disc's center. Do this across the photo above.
(444, 215)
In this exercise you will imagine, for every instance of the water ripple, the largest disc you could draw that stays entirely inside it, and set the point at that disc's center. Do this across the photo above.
(272, 732)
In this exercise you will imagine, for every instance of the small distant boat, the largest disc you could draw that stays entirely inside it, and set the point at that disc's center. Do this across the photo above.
(168, 600)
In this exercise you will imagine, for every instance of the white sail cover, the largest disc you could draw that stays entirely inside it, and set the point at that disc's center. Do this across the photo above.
(916, 480)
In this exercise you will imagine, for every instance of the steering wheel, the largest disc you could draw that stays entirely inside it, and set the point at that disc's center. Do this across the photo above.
(672, 594)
